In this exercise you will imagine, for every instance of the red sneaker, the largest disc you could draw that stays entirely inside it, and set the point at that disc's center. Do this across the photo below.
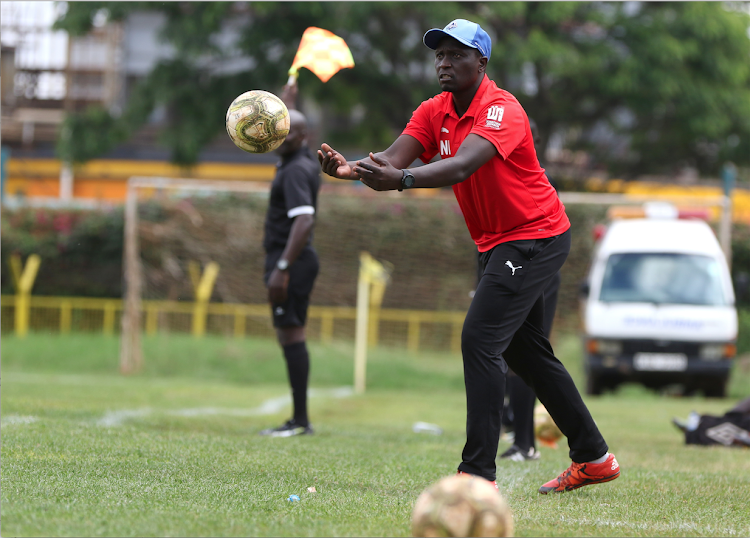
(583, 474)
(494, 482)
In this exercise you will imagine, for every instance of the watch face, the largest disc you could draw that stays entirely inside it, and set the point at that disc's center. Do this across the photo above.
(409, 180)
(282, 264)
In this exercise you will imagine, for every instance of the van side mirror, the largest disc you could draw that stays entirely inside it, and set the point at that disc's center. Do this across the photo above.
(584, 289)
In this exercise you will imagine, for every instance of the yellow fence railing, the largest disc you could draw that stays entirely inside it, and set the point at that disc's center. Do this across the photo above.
(412, 329)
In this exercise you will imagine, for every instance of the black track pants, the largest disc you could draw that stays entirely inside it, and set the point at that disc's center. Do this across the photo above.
(505, 322)
(521, 398)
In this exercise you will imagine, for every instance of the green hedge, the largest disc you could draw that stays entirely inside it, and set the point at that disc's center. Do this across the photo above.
(81, 250)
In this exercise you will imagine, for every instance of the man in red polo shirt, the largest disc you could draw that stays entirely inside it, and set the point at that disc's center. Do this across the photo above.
(523, 236)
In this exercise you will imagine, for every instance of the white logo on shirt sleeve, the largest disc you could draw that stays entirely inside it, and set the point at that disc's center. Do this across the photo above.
(494, 116)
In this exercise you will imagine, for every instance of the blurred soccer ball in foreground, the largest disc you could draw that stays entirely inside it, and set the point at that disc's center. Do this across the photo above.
(257, 121)
(461, 505)
(545, 429)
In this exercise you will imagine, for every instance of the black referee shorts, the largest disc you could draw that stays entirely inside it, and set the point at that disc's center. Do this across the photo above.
(302, 274)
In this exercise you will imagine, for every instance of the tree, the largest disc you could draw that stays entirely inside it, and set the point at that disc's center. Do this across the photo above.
(664, 84)
(671, 79)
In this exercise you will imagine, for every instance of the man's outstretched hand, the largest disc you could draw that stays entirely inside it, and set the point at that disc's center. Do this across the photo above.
(334, 164)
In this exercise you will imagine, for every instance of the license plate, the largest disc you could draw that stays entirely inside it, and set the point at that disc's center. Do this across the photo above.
(660, 362)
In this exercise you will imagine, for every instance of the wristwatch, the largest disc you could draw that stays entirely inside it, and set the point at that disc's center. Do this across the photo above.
(282, 264)
(407, 180)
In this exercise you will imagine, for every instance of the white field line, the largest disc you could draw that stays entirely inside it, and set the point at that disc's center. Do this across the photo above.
(116, 418)
(86, 380)
(12, 420)
(268, 407)
(676, 529)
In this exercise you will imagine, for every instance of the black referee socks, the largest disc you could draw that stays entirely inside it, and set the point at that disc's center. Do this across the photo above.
(298, 368)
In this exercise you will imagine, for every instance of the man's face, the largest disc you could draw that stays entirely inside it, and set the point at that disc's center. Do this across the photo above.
(296, 137)
(458, 67)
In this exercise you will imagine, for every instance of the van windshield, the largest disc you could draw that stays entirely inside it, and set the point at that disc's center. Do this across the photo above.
(662, 279)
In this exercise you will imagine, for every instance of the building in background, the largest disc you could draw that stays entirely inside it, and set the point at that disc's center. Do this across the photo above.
(46, 74)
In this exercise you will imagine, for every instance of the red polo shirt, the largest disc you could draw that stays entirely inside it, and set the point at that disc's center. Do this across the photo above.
(509, 197)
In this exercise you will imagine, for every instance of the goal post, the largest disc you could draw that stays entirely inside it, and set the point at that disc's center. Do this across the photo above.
(373, 277)
(131, 353)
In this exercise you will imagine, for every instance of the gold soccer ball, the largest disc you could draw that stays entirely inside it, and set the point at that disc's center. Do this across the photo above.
(257, 121)
(545, 429)
(461, 505)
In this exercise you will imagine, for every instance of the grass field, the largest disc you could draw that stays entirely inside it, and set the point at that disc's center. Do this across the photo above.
(174, 451)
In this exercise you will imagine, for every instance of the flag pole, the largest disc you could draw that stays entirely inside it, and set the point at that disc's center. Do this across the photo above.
(293, 73)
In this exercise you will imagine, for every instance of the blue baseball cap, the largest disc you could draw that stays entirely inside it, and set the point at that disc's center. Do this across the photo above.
(466, 32)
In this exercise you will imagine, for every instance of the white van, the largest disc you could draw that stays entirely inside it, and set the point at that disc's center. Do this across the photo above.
(658, 307)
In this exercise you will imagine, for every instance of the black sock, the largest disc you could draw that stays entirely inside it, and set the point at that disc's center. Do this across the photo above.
(298, 368)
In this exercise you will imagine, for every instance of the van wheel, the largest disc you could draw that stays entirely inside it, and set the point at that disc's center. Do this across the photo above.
(594, 385)
(716, 388)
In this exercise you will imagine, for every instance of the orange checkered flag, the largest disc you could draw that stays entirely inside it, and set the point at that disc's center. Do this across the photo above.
(323, 53)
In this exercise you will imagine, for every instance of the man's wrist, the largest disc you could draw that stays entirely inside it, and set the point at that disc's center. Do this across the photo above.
(407, 180)
(352, 174)
(282, 264)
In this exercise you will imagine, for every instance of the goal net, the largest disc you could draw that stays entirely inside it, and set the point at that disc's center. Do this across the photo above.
(188, 237)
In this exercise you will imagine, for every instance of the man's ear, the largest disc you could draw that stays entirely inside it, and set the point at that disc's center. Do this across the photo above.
(482, 64)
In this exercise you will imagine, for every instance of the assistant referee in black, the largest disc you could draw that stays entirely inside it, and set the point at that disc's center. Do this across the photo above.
(291, 262)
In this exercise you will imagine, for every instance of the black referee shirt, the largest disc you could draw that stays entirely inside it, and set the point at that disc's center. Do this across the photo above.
(294, 192)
